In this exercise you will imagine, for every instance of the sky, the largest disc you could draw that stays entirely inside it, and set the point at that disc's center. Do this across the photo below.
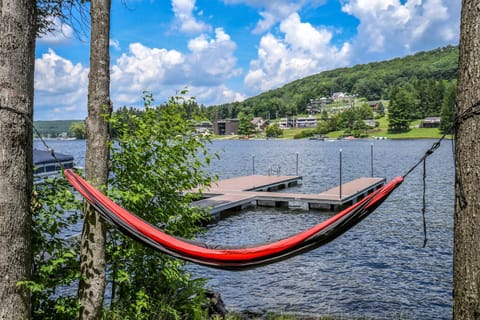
(228, 50)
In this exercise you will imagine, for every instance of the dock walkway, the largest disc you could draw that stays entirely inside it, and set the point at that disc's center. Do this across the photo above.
(238, 193)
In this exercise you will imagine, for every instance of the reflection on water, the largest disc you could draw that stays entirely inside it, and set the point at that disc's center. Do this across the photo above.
(378, 269)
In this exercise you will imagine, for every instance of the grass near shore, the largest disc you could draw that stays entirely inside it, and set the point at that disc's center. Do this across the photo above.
(382, 131)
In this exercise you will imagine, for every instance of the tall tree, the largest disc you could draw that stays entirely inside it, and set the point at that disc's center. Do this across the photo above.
(401, 102)
(17, 56)
(466, 267)
(245, 126)
(448, 107)
(92, 253)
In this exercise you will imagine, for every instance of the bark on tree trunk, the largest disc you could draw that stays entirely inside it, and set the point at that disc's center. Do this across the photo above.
(466, 304)
(17, 49)
(92, 254)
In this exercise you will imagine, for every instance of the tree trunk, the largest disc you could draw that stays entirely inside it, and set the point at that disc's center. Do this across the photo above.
(466, 266)
(17, 56)
(92, 255)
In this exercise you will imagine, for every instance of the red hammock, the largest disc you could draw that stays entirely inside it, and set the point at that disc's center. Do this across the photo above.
(230, 258)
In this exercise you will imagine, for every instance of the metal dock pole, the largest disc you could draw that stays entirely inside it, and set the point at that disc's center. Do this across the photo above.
(371, 159)
(340, 174)
(297, 166)
(253, 164)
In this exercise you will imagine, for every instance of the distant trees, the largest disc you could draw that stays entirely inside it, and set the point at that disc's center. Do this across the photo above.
(399, 115)
(429, 97)
(416, 100)
(192, 110)
(273, 131)
(245, 126)
(350, 120)
(370, 88)
(447, 112)
(78, 130)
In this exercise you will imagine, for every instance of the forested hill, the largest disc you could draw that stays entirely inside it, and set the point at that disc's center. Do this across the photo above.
(372, 81)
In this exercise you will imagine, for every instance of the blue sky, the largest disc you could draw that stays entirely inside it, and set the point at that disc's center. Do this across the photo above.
(229, 50)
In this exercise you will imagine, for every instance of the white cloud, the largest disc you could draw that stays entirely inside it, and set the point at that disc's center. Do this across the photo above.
(184, 14)
(115, 44)
(388, 27)
(303, 51)
(208, 64)
(216, 94)
(211, 61)
(60, 86)
(144, 68)
(62, 33)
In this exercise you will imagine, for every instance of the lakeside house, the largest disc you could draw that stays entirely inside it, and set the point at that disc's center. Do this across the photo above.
(318, 105)
(370, 123)
(300, 122)
(203, 127)
(374, 105)
(259, 123)
(430, 122)
(226, 127)
(230, 126)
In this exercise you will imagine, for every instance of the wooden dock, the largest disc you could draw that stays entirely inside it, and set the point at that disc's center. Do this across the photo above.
(241, 192)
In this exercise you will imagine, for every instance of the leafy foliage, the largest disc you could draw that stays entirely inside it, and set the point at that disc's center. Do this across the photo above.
(273, 131)
(55, 265)
(157, 155)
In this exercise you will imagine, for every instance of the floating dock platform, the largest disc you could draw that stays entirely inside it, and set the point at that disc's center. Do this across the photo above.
(241, 192)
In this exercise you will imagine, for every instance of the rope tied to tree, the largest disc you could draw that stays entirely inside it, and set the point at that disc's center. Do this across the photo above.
(468, 113)
(472, 111)
(423, 160)
(30, 121)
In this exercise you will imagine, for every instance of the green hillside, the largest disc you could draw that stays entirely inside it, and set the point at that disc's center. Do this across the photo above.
(372, 81)
(53, 129)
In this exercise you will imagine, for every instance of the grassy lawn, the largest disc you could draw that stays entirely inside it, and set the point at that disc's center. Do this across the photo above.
(289, 133)
(382, 131)
(413, 133)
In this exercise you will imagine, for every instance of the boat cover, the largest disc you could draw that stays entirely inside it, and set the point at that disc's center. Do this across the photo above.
(44, 157)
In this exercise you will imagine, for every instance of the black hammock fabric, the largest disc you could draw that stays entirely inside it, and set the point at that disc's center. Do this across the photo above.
(230, 258)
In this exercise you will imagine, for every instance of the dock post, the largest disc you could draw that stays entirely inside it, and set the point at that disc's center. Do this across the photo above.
(253, 164)
(371, 159)
(297, 166)
(340, 174)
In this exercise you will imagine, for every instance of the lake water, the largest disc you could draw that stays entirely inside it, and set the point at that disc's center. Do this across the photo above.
(377, 269)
